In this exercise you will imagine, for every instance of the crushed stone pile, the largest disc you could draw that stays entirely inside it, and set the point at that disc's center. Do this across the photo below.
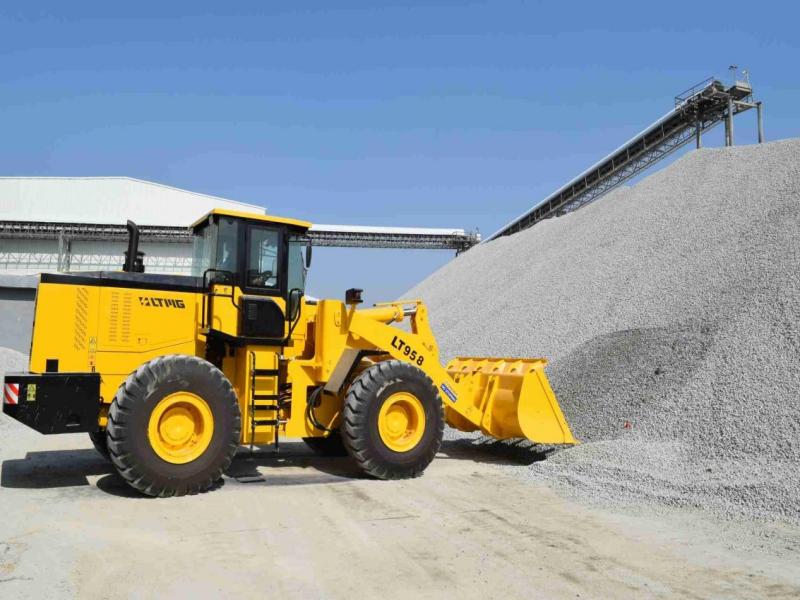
(670, 312)
(11, 360)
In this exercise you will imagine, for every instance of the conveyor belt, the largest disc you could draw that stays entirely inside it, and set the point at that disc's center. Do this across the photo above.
(697, 110)
(321, 235)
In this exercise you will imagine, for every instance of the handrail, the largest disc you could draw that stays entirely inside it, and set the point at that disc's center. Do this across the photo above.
(693, 91)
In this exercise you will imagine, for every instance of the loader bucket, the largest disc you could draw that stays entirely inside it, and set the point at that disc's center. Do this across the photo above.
(514, 397)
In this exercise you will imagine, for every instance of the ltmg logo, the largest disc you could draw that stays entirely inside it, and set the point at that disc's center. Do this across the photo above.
(161, 302)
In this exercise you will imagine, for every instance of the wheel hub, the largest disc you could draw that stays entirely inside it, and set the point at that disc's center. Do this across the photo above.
(180, 428)
(401, 422)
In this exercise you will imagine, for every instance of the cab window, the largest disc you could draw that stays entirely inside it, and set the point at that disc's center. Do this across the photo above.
(215, 249)
(227, 241)
(297, 270)
(262, 258)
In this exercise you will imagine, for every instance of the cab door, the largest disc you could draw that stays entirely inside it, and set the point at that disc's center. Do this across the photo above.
(262, 310)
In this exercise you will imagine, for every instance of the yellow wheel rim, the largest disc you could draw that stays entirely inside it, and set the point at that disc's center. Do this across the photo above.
(180, 427)
(401, 422)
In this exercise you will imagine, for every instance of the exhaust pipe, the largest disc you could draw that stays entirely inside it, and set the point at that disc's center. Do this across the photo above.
(134, 259)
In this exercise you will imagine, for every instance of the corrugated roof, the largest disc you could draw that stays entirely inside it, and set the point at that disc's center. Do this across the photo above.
(106, 200)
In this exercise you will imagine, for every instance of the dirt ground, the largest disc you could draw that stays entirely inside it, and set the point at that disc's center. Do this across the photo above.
(300, 526)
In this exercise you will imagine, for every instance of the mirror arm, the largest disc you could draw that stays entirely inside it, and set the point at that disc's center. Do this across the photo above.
(293, 310)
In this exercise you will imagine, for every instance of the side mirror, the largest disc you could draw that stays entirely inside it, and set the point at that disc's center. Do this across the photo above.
(293, 304)
(308, 254)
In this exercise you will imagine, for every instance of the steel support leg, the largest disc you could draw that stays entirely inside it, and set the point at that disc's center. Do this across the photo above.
(729, 124)
(64, 252)
(760, 123)
(727, 131)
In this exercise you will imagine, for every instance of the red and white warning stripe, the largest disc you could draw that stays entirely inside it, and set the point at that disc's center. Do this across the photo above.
(11, 393)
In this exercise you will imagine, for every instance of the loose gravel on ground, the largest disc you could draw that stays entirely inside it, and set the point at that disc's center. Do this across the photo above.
(10, 360)
(670, 313)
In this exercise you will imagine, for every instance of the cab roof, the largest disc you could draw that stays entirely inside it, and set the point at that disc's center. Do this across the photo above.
(240, 214)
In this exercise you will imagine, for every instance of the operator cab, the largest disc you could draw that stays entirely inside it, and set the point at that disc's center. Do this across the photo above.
(261, 254)
(266, 257)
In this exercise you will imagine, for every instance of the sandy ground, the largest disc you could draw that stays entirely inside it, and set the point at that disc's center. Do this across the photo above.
(297, 524)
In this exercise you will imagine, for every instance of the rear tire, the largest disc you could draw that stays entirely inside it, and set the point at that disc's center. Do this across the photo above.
(99, 441)
(174, 426)
(333, 445)
(384, 447)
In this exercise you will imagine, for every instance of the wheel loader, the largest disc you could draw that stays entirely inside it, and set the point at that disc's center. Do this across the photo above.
(170, 375)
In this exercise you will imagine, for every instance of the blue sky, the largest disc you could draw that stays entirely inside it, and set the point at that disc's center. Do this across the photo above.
(453, 114)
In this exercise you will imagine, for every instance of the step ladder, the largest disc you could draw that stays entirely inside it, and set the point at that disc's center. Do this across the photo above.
(265, 403)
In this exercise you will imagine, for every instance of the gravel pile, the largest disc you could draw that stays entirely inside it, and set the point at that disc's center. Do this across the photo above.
(16, 313)
(11, 360)
(670, 312)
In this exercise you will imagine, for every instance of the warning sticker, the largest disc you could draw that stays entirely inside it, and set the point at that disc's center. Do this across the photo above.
(11, 393)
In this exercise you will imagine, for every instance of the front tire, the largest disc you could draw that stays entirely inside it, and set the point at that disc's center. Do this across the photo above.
(99, 442)
(174, 426)
(393, 420)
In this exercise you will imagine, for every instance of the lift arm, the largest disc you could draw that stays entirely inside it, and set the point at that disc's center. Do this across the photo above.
(503, 398)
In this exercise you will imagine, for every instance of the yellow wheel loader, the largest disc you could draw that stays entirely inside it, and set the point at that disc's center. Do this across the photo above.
(169, 375)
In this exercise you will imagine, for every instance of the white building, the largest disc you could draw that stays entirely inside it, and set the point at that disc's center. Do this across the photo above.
(35, 210)
(71, 224)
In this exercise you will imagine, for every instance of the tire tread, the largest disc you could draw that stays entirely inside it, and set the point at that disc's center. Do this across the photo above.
(364, 390)
(130, 393)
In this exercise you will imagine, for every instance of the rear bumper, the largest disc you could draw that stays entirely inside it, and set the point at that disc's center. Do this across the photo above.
(53, 402)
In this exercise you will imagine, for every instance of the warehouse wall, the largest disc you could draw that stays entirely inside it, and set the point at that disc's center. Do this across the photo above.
(16, 320)
(24, 257)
